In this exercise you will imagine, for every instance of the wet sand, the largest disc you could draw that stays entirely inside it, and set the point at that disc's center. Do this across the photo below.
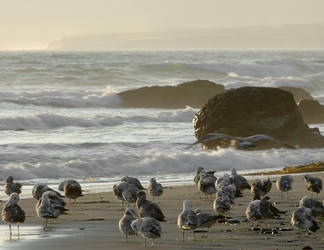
(93, 224)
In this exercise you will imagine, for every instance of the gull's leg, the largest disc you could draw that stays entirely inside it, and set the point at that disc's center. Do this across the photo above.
(152, 243)
(18, 229)
(10, 230)
(145, 242)
(183, 233)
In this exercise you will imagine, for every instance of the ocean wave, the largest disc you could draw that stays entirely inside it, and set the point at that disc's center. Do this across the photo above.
(46, 121)
(154, 162)
(61, 98)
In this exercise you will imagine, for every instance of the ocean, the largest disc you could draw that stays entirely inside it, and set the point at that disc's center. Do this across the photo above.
(60, 116)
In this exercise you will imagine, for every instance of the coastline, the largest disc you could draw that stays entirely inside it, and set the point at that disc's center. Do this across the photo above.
(94, 224)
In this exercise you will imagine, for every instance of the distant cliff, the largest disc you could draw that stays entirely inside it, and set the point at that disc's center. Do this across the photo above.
(254, 37)
(194, 94)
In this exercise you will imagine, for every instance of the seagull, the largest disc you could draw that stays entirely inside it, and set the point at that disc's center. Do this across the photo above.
(39, 189)
(315, 205)
(11, 187)
(222, 204)
(240, 142)
(206, 184)
(133, 181)
(155, 189)
(148, 227)
(197, 176)
(130, 194)
(261, 210)
(72, 189)
(147, 208)
(284, 184)
(313, 184)
(12, 212)
(187, 219)
(302, 218)
(229, 190)
(225, 180)
(239, 181)
(205, 219)
(260, 188)
(126, 221)
(118, 190)
(50, 206)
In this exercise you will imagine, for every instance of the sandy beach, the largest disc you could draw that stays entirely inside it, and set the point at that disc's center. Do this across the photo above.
(93, 224)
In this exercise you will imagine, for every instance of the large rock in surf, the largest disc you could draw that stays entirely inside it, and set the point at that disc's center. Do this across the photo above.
(312, 111)
(194, 94)
(254, 110)
(298, 93)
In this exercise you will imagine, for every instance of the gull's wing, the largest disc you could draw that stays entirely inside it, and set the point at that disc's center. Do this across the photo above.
(211, 137)
(266, 137)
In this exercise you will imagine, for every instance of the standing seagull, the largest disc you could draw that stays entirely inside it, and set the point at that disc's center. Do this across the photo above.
(39, 189)
(11, 187)
(72, 189)
(187, 219)
(206, 184)
(126, 221)
(147, 208)
(197, 176)
(315, 205)
(148, 227)
(313, 184)
(261, 210)
(260, 188)
(302, 218)
(50, 206)
(133, 181)
(12, 212)
(284, 184)
(155, 189)
(239, 181)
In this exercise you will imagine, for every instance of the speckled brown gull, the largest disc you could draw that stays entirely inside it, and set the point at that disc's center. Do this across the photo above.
(12, 212)
(12, 187)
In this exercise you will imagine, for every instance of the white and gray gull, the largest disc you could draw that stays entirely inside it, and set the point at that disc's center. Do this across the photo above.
(148, 227)
(50, 206)
(12, 187)
(303, 219)
(147, 208)
(239, 181)
(315, 205)
(126, 221)
(206, 219)
(197, 176)
(206, 184)
(313, 184)
(284, 184)
(260, 188)
(133, 181)
(41, 188)
(12, 213)
(187, 219)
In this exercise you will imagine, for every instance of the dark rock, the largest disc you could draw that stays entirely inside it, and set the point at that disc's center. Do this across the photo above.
(254, 110)
(312, 111)
(194, 94)
(298, 93)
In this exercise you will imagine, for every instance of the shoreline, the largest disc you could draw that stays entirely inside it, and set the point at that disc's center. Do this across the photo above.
(94, 224)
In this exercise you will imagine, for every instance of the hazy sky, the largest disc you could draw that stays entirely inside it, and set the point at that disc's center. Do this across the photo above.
(35, 23)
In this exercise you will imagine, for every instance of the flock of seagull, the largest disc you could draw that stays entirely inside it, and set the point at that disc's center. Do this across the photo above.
(148, 217)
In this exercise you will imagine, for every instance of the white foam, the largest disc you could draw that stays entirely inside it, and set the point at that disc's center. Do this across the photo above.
(45, 121)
